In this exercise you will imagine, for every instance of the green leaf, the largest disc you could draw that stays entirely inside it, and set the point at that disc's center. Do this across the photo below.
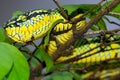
(25, 50)
(2, 34)
(5, 36)
(62, 76)
(34, 62)
(101, 25)
(76, 76)
(16, 13)
(6, 62)
(76, 9)
(9, 40)
(116, 9)
(44, 57)
(94, 28)
(59, 76)
(19, 65)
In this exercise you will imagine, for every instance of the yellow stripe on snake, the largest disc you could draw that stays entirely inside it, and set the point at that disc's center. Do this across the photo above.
(34, 24)
(102, 53)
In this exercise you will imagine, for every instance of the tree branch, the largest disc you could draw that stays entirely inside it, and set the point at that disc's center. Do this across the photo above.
(114, 13)
(79, 34)
(61, 9)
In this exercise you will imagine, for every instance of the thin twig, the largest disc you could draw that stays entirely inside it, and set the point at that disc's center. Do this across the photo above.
(32, 54)
(34, 45)
(94, 33)
(61, 9)
(114, 13)
(89, 11)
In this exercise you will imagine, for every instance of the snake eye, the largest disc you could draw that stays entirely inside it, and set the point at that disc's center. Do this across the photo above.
(23, 18)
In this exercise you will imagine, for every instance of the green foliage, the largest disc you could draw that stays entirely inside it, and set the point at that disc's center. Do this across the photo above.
(101, 25)
(94, 28)
(76, 9)
(2, 34)
(24, 50)
(116, 9)
(34, 62)
(16, 13)
(63, 75)
(60, 76)
(6, 64)
(76, 75)
(4, 37)
(43, 56)
(13, 63)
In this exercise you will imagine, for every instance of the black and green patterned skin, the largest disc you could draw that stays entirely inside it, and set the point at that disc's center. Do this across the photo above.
(27, 26)
(35, 24)
(32, 25)
(99, 54)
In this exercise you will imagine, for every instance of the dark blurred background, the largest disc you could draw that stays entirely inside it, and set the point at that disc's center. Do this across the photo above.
(7, 7)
